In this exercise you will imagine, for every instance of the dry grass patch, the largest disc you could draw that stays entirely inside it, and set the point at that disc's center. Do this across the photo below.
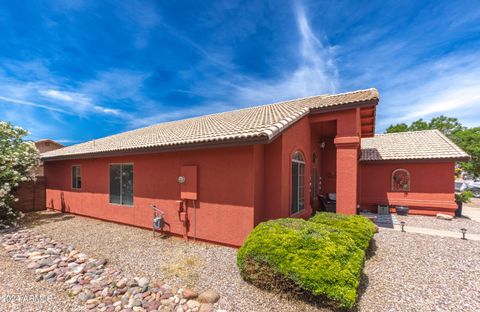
(185, 270)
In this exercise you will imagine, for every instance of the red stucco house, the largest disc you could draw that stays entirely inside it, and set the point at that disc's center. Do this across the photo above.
(215, 177)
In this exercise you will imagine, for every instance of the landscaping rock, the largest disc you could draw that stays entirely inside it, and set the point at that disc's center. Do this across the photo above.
(165, 302)
(208, 296)
(189, 294)
(33, 265)
(76, 289)
(206, 307)
(85, 295)
(152, 305)
(142, 282)
(92, 283)
(193, 304)
(159, 283)
(442, 216)
(45, 262)
(122, 283)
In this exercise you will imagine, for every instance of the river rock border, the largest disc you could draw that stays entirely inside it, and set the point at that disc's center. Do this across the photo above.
(97, 285)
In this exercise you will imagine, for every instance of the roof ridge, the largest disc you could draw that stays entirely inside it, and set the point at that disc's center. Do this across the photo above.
(450, 142)
(404, 132)
(220, 113)
(374, 90)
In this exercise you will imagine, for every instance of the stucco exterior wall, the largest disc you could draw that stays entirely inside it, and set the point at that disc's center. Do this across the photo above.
(225, 191)
(277, 171)
(431, 186)
(238, 187)
(296, 138)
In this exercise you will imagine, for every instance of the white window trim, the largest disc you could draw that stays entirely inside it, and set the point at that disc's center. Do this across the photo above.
(71, 177)
(301, 162)
(133, 191)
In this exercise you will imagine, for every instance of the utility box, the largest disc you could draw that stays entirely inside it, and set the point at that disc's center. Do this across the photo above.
(188, 185)
(383, 209)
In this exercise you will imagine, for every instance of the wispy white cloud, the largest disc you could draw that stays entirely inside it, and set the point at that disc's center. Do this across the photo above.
(449, 85)
(176, 114)
(59, 95)
(315, 74)
(110, 111)
(66, 141)
(42, 102)
(77, 101)
(28, 103)
(45, 91)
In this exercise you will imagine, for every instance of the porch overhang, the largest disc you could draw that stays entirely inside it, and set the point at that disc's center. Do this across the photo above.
(367, 115)
(367, 121)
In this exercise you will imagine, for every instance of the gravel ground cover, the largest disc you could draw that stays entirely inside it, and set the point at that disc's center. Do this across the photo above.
(201, 266)
(432, 222)
(406, 272)
(95, 283)
(415, 272)
(17, 281)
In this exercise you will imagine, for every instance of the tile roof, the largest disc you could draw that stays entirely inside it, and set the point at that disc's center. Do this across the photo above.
(261, 123)
(427, 144)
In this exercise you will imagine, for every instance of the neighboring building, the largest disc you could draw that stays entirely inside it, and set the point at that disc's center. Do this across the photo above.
(236, 168)
(31, 194)
(43, 146)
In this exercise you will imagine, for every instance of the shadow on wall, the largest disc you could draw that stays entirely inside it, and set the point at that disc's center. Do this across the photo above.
(63, 205)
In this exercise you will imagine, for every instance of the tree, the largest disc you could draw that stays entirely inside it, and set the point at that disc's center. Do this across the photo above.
(419, 125)
(401, 127)
(467, 138)
(469, 141)
(447, 125)
(18, 160)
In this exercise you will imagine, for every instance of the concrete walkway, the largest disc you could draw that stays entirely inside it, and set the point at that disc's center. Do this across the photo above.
(411, 229)
(471, 213)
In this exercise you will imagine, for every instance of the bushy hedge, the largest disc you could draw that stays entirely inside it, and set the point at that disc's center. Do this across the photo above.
(306, 258)
(18, 161)
(360, 228)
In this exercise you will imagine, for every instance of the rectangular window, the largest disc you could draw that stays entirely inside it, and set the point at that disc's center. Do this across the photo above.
(76, 177)
(121, 184)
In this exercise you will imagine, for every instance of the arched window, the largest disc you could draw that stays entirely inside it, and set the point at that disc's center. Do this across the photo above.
(400, 180)
(298, 182)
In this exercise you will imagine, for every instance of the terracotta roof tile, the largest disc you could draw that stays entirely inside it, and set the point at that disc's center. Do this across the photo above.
(428, 144)
(261, 122)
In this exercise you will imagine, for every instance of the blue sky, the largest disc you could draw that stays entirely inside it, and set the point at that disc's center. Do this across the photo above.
(77, 70)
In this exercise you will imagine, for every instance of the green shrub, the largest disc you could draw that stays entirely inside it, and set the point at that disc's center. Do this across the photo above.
(303, 257)
(360, 228)
(464, 197)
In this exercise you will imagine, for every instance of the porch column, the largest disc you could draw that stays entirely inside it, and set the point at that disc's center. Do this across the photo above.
(347, 168)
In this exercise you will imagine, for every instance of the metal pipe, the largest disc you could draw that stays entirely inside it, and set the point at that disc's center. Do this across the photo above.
(185, 221)
(194, 222)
